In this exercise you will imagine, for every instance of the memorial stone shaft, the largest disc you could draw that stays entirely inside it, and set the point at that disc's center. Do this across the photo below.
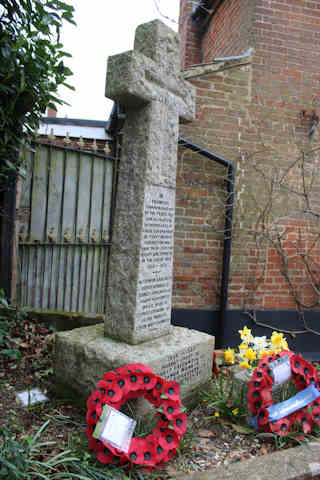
(148, 83)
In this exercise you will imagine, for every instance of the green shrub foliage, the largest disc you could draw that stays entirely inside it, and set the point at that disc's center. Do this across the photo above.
(31, 70)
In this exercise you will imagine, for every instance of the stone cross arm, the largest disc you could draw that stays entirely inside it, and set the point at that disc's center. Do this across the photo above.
(151, 72)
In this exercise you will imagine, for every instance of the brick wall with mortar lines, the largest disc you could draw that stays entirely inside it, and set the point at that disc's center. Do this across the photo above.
(227, 33)
(189, 37)
(228, 124)
(201, 184)
(198, 243)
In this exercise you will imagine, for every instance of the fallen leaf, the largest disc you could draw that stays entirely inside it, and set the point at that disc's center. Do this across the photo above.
(205, 434)
(241, 429)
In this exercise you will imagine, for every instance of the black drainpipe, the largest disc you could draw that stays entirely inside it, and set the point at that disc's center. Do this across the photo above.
(227, 231)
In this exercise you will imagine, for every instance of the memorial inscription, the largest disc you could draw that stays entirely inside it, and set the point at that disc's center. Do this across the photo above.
(184, 367)
(156, 256)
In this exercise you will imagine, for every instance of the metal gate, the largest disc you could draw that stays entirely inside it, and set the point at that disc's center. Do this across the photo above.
(65, 210)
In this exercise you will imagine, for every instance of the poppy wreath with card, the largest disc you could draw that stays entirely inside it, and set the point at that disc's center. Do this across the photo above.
(134, 381)
(304, 374)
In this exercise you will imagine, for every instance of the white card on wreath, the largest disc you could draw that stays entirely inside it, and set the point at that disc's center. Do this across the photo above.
(115, 427)
(281, 370)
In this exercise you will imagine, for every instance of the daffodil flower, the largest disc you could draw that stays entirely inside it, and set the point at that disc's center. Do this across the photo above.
(250, 354)
(244, 364)
(245, 331)
(229, 355)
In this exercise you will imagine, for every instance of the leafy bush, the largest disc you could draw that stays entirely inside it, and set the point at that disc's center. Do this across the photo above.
(31, 70)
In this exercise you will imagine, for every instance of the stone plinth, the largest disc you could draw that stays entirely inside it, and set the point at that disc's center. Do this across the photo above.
(83, 355)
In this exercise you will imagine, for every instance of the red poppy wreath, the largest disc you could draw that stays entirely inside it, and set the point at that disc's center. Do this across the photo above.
(133, 381)
(304, 374)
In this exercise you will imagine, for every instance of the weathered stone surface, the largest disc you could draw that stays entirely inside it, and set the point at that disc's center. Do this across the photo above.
(184, 355)
(148, 82)
(297, 463)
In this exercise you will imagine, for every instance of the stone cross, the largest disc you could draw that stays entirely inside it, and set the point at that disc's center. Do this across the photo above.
(148, 83)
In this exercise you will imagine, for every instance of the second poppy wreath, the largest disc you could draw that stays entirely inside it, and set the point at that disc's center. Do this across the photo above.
(134, 381)
(260, 403)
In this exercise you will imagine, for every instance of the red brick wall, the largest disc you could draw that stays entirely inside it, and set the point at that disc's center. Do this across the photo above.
(198, 248)
(228, 32)
(201, 188)
(251, 114)
(189, 37)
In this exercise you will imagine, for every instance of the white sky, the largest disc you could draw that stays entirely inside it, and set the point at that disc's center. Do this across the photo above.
(104, 27)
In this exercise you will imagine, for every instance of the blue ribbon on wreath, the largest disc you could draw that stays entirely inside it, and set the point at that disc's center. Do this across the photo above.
(283, 409)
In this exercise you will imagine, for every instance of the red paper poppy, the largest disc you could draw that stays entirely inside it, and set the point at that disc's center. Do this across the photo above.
(179, 424)
(113, 393)
(122, 371)
(171, 408)
(135, 394)
(91, 417)
(297, 364)
(283, 353)
(304, 418)
(158, 388)
(316, 402)
(156, 401)
(163, 422)
(96, 445)
(105, 456)
(281, 427)
(171, 453)
(316, 415)
(259, 399)
(149, 453)
(149, 381)
(263, 418)
(135, 453)
(135, 380)
(137, 367)
(109, 376)
(123, 383)
(89, 430)
(172, 390)
(161, 453)
(94, 399)
(168, 439)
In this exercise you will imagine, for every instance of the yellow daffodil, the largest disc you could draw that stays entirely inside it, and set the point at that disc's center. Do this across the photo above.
(229, 355)
(235, 411)
(284, 345)
(242, 346)
(244, 364)
(216, 414)
(277, 341)
(263, 353)
(245, 333)
(250, 354)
